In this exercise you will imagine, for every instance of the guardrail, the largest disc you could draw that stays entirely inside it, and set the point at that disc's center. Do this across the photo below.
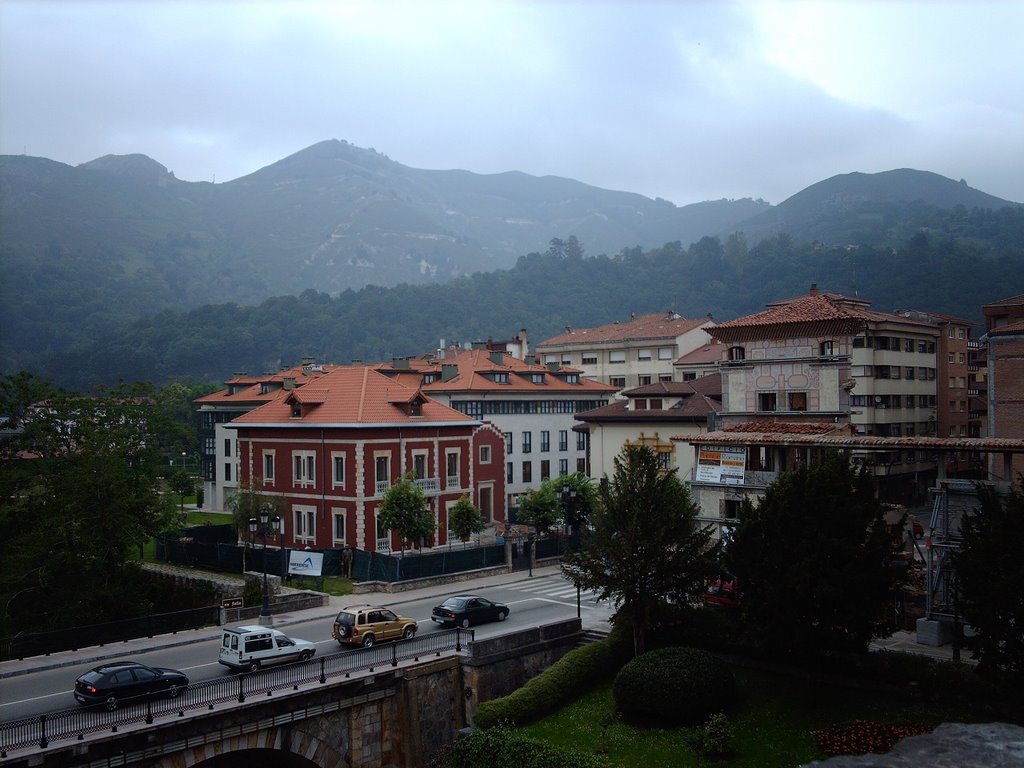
(78, 723)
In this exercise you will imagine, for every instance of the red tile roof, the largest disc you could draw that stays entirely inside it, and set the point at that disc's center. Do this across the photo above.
(787, 428)
(248, 389)
(709, 353)
(1008, 329)
(1011, 302)
(351, 395)
(693, 405)
(662, 326)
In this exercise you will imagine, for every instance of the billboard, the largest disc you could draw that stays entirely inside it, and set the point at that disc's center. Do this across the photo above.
(721, 465)
(302, 562)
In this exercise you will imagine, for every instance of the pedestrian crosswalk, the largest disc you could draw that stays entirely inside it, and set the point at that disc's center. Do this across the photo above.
(555, 588)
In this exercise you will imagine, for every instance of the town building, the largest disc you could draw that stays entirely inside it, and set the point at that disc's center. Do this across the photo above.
(630, 354)
(649, 416)
(332, 448)
(533, 405)
(218, 448)
(702, 361)
(1004, 342)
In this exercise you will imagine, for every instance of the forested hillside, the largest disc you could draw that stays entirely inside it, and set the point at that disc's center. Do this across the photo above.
(961, 261)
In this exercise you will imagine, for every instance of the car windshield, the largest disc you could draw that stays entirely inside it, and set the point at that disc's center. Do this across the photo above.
(91, 677)
(454, 602)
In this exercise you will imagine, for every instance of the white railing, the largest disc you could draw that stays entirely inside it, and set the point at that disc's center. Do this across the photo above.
(452, 481)
(384, 545)
(382, 487)
(429, 484)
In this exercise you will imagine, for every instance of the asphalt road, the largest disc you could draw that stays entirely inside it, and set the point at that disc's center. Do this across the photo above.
(542, 599)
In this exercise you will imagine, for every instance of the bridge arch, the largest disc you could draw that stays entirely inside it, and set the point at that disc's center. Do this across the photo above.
(280, 747)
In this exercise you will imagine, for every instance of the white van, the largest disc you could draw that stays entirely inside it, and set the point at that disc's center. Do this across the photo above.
(249, 648)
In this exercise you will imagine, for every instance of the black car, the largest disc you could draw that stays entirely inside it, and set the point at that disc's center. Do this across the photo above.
(463, 610)
(120, 681)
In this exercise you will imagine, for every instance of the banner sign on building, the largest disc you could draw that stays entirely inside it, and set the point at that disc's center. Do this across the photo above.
(302, 562)
(721, 465)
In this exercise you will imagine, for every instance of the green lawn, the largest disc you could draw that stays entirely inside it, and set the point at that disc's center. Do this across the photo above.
(774, 721)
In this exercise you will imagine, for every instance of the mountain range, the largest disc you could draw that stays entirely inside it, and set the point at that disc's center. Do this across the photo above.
(85, 250)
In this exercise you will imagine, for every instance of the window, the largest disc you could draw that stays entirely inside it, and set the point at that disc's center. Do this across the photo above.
(961, 333)
(382, 473)
(766, 401)
(566, 359)
(527, 472)
(952, 406)
(227, 448)
(572, 378)
(909, 372)
(656, 404)
(798, 401)
(922, 346)
(617, 381)
(589, 358)
(305, 524)
(419, 465)
(665, 460)
(643, 354)
(963, 406)
(304, 468)
(737, 353)
(545, 441)
(338, 469)
(963, 358)
(828, 348)
(668, 376)
(508, 472)
(963, 430)
(581, 441)
(645, 380)
(227, 471)
(527, 442)
(339, 527)
(485, 454)
(951, 332)
(563, 440)
(951, 357)
(451, 460)
(858, 400)
(908, 345)
(535, 378)
(640, 404)
(545, 470)
(617, 356)
(665, 353)
(909, 402)
(952, 382)
(581, 465)
(508, 444)
(563, 467)
(550, 359)
(911, 430)
(500, 377)
(268, 466)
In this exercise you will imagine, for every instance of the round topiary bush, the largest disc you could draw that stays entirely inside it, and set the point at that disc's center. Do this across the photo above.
(674, 686)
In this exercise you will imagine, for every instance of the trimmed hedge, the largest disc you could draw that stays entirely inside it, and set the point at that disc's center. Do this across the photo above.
(563, 681)
(502, 748)
(674, 686)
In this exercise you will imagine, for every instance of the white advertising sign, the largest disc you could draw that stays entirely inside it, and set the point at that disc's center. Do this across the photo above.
(721, 465)
(304, 563)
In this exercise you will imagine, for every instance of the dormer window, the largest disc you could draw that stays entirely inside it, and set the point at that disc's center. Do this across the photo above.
(430, 378)
(501, 377)
(572, 378)
(296, 409)
(416, 408)
(536, 378)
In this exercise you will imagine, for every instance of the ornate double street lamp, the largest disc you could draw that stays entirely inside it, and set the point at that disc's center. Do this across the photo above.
(264, 527)
(568, 497)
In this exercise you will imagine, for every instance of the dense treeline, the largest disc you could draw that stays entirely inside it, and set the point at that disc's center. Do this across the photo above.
(963, 260)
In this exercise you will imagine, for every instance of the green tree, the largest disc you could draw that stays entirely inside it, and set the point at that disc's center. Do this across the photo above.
(812, 561)
(540, 507)
(464, 519)
(404, 509)
(79, 492)
(643, 547)
(581, 498)
(990, 572)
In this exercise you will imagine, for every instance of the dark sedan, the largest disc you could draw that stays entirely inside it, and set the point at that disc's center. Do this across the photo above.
(120, 681)
(463, 610)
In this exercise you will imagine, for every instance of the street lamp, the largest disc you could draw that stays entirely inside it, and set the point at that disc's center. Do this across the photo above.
(264, 527)
(568, 496)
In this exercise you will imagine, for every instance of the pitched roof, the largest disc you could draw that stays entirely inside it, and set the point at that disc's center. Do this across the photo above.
(706, 355)
(473, 370)
(692, 405)
(349, 396)
(246, 390)
(661, 326)
(1010, 329)
(1012, 301)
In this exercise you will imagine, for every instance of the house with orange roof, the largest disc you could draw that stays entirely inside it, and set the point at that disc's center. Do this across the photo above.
(629, 354)
(218, 449)
(332, 448)
(650, 416)
(533, 405)
(820, 361)
(702, 361)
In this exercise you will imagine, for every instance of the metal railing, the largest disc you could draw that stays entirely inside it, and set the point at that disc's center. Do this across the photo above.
(78, 723)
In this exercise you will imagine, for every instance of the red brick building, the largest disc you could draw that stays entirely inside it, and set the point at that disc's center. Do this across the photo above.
(333, 447)
(1004, 322)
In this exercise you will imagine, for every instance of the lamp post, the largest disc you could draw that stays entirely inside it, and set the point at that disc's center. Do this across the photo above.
(264, 527)
(568, 495)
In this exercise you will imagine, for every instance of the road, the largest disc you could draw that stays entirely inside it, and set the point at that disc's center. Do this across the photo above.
(532, 602)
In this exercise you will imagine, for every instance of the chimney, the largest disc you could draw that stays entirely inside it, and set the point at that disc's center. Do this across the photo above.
(632, 316)
(401, 363)
(814, 289)
(289, 382)
(449, 371)
(554, 367)
(497, 357)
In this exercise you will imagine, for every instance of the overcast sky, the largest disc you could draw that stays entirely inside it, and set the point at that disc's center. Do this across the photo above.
(688, 101)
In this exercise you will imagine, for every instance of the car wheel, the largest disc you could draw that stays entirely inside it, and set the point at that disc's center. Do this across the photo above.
(110, 703)
(305, 655)
(254, 666)
(368, 641)
(464, 623)
(502, 615)
(409, 633)
(173, 690)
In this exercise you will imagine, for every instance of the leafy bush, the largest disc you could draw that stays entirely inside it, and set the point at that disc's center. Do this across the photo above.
(564, 680)
(502, 748)
(674, 686)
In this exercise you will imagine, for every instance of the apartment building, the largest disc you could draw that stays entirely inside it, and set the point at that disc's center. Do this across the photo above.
(331, 449)
(630, 354)
(1004, 341)
(531, 404)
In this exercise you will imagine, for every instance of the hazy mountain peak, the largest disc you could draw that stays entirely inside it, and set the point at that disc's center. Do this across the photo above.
(136, 165)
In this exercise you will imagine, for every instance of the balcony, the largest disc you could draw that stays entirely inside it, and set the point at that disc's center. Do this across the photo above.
(452, 481)
(382, 487)
(384, 545)
(429, 484)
